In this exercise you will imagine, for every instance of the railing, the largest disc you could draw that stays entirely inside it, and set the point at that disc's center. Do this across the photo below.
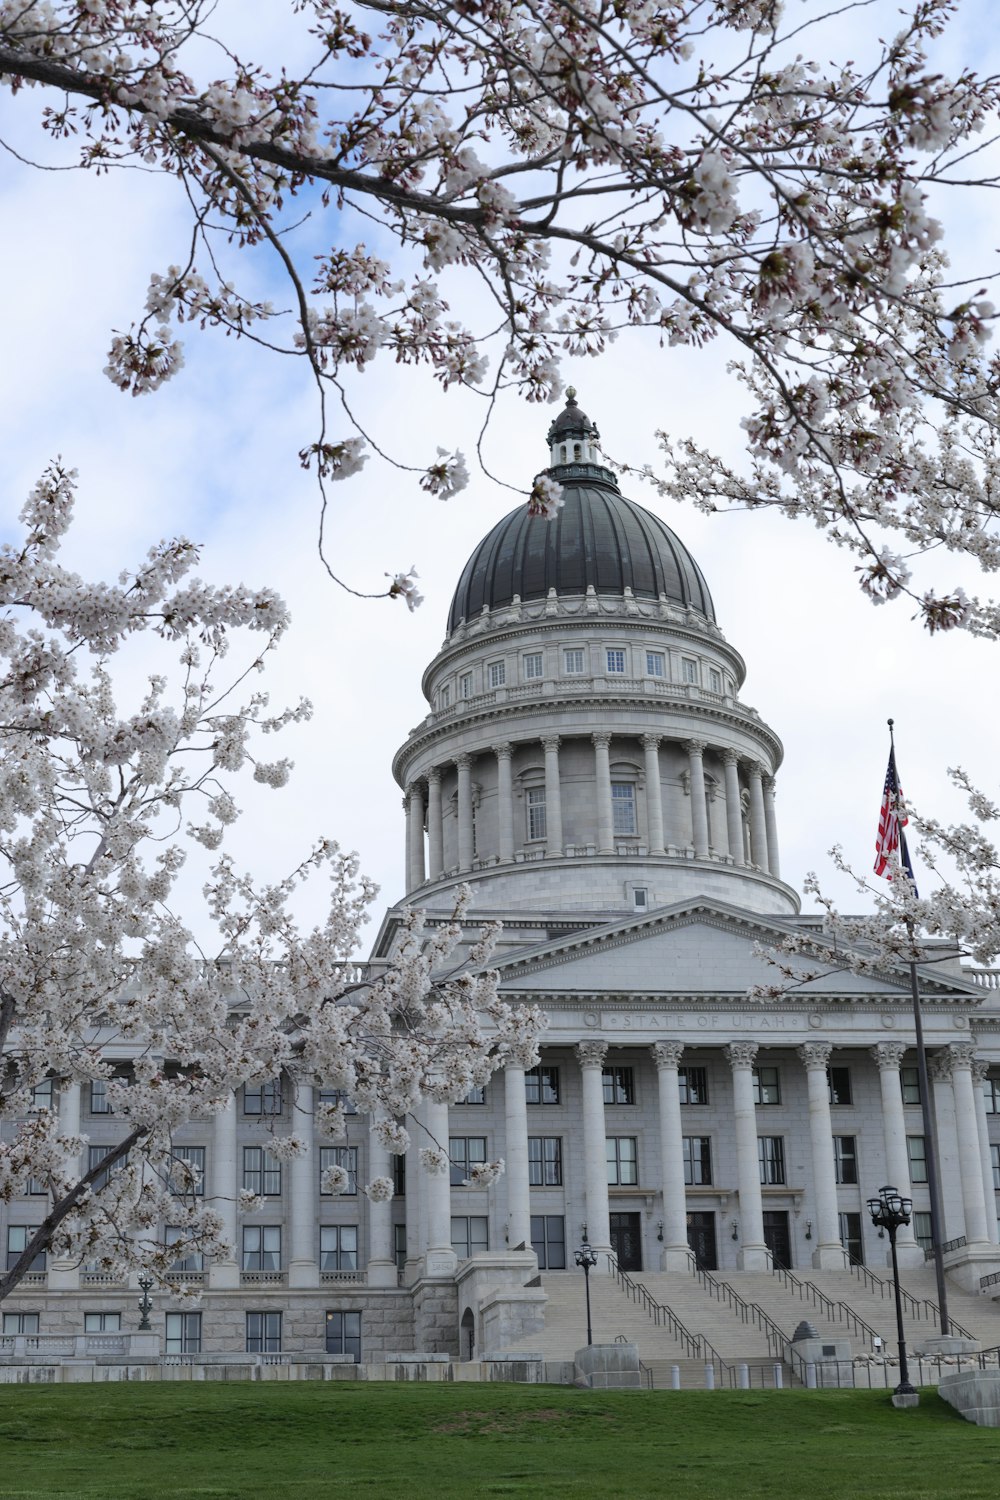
(355, 1278)
(59, 1345)
(991, 1280)
(644, 1371)
(262, 1278)
(662, 1316)
(807, 1291)
(955, 1244)
(748, 1312)
(922, 1308)
(987, 979)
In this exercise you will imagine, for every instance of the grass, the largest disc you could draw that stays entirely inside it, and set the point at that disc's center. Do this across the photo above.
(450, 1442)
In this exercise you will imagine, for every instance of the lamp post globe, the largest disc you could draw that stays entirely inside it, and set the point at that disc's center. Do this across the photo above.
(889, 1212)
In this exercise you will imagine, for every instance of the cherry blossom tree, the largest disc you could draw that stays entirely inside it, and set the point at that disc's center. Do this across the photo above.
(100, 979)
(563, 171)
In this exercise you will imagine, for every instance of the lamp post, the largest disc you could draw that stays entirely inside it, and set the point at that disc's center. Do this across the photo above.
(145, 1305)
(889, 1211)
(586, 1257)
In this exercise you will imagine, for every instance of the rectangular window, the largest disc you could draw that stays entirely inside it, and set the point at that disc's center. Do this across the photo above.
(343, 1334)
(20, 1322)
(909, 1079)
(541, 1084)
(536, 812)
(335, 1097)
(469, 1235)
(262, 1247)
(548, 1240)
(573, 662)
(623, 1160)
(850, 1236)
(771, 1157)
(444, 695)
(496, 673)
(845, 1159)
(99, 1097)
(922, 1231)
(766, 1086)
(341, 1156)
(338, 1247)
(102, 1322)
(465, 685)
(532, 665)
(41, 1095)
(839, 1080)
(183, 1334)
(476, 1095)
(95, 1155)
(995, 1162)
(398, 1161)
(544, 1161)
(689, 670)
(36, 1187)
(619, 1084)
(693, 1085)
(187, 1174)
(991, 1093)
(261, 1172)
(466, 1152)
(623, 807)
(399, 1245)
(697, 1160)
(917, 1153)
(616, 661)
(714, 680)
(18, 1236)
(656, 664)
(640, 898)
(192, 1261)
(263, 1098)
(263, 1333)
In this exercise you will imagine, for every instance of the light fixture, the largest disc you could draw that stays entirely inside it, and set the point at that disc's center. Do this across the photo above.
(586, 1259)
(809, 1229)
(890, 1211)
(659, 1230)
(736, 1232)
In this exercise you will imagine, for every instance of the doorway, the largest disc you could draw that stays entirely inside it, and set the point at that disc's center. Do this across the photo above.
(626, 1240)
(777, 1239)
(701, 1240)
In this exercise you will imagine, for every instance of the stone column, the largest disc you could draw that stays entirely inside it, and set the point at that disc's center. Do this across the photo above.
(675, 1255)
(439, 1258)
(408, 857)
(415, 799)
(734, 809)
(505, 804)
(753, 1254)
(64, 1275)
(969, 1156)
(654, 794)
(699, 813)
(416, 1240)
(771, 828)
(381, 1268)
(435, 826)
(758, 822)
(303, 1264)
(980, 1069)
(591, 1057)
(888, 1057)
(946, 1137)
(553, 798)
(829, 1253)
(602, 768)
(465, 837)
(518, 1189)
(224, 1188)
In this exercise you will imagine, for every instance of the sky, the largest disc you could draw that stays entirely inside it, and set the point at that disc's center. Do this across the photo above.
(213, 456)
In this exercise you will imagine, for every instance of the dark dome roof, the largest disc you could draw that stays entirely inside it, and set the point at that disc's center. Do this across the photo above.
(598, 537)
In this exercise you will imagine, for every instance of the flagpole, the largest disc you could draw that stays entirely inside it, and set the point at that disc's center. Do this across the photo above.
(930, 1131)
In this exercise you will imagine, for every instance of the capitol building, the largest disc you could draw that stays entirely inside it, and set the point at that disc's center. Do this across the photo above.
(587, 764)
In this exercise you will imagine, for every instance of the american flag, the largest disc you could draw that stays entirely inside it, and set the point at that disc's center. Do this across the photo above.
(890, 842)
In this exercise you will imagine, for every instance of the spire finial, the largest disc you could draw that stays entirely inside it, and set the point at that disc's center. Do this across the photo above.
(571, 395)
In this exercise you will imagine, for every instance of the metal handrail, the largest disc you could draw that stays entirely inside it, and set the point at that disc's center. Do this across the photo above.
(662, 1315)
(919, 1307)
(623, 1338)
(807, 1290)
(750, 1312)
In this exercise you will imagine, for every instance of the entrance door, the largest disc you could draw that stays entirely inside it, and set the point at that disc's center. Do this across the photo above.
(777, 1239)
(626, 1240)
(701, 1239)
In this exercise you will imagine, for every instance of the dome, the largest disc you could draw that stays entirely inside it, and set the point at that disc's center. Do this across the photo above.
(598, 538)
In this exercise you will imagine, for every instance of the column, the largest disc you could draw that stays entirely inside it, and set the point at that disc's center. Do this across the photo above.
(771, 828)
(439, 1258)
(887, 1057)
(969, 1156)
(758, 822)
(654, 794)
(602, 770)
(64, 1275)
(734, 809)
(699, 812)
(435, 827)
(505, 804)
(590, 1056)
(225, 1273)
(753, 1254)
(675, 1255)
(416, 1240)
(980, 1069)
(415, 824)
(516, 1154)
(829, 1252)
(303, 1264)
(408, 856)
(465, 839)
(381, 1268)
(553, 798)
(946, 1136)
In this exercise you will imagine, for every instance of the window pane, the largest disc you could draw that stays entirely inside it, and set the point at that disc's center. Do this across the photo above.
(573, 663)
(616, 661)
(693, 1084)
(840, 1085)
(536, 812)
(623, 807)
(910, 1081)
(533, 665)
(656, 663)
(497, 673)
(918, 1158)
(845, 1161)
(766, 1086)
(541, 1084)
(619, 1085)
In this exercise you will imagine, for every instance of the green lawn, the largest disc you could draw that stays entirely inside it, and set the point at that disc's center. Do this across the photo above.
(443, 1441)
